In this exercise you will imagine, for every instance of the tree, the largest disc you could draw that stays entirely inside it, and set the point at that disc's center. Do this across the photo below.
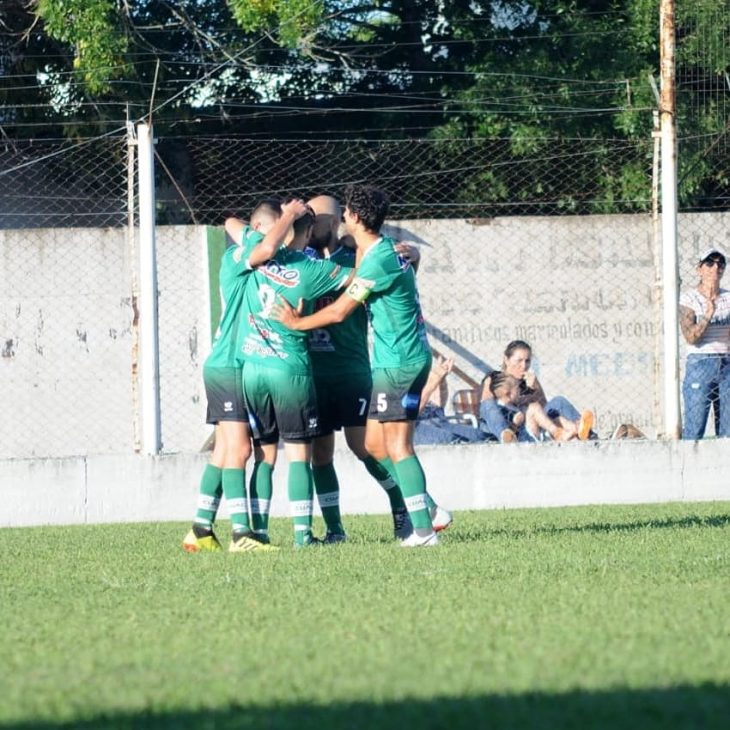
(537, 75)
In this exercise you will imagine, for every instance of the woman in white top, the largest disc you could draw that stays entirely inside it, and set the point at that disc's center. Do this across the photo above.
(704, 318)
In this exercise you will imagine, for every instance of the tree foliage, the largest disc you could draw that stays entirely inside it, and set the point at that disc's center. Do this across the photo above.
(529, 72)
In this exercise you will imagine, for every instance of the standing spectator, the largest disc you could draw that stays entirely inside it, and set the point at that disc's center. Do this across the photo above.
(516, 362)
(704, 318)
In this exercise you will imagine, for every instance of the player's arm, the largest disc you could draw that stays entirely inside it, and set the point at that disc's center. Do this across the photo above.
(333, 313)
(272, 241)
(234, 228)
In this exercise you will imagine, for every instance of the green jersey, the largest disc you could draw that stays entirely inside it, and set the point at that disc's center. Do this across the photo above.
(387, 283)
(293, 276)
(234, 274)
(342, 348)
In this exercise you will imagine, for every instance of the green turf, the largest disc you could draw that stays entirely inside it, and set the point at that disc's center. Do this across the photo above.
(570, 618)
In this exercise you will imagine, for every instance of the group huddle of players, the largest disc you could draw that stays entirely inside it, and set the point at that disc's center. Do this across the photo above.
(290, 362)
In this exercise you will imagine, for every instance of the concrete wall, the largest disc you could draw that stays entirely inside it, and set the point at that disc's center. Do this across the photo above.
(580, 289)
(107, 488)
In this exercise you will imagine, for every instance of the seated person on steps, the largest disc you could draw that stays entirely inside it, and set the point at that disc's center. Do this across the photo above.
(433, 426)
(516, 362)
(506, 422)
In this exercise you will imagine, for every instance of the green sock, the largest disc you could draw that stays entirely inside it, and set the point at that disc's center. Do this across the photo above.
(412, 481)
(328, 495)
(384, 472)
(429, 502)
(300, 500)
(261, 488)
(234, 488)
(209, 496)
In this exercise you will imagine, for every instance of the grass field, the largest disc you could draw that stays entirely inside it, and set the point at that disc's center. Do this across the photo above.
(564, 618)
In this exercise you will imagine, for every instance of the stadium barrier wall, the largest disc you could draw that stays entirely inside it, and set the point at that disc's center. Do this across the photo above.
(581, 290)
(132, 488)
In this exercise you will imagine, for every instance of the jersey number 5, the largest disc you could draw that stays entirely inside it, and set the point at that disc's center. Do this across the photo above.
(382, 403)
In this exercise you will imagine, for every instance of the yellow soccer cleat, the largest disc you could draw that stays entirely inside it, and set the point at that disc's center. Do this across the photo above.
(248, 543)
(208, 544)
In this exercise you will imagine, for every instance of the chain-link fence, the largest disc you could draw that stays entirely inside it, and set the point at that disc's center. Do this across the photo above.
(572, 271)
(548, 240)
(502, 260)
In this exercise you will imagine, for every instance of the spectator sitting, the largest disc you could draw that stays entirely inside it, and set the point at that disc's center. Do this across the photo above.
(506, 422)
(516, 362)
(433, 426)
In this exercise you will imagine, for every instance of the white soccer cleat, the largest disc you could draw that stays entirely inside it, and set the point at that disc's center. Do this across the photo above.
(416, 540)
(440, 518)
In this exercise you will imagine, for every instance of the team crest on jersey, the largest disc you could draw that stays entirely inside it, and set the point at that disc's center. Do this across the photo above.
(404, 263)
(280, 274)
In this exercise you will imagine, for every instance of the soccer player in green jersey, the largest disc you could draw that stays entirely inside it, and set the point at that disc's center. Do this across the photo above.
(277, 373)
(343, 381)
(224, 474)
(401, 355)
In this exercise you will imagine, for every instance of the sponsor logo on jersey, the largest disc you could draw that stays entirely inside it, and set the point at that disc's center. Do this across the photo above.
(280, 274)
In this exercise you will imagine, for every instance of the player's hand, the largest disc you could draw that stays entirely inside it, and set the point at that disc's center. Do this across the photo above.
(283, 312)
(530, 379)
(408, 251)
(710, 308)
(295, 207)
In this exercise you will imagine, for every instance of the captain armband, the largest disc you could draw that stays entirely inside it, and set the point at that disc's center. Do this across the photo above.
(359, 289)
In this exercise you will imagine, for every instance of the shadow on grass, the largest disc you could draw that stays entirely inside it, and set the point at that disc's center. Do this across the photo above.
(691, 521)
(705, 706)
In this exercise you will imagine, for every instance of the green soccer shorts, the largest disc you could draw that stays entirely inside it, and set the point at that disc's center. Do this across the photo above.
(342, 400)
(280, 404)
(224, 394)
(397, 392)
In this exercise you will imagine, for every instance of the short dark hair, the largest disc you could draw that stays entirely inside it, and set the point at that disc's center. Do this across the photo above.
(369, 203)
(268, 205)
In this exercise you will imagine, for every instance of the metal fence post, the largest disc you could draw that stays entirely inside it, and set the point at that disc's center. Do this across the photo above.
(670, 272)
(149, 366)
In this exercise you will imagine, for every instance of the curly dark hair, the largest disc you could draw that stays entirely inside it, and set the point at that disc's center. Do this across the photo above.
(369, 203)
